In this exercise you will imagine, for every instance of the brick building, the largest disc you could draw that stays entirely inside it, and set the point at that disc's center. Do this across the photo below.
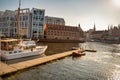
(61, 32)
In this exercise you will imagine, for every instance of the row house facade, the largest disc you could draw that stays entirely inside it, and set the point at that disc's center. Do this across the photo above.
(31, 23)
(61, 32)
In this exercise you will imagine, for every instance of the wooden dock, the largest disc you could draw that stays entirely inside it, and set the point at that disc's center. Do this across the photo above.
(6, 69)
(0, 78)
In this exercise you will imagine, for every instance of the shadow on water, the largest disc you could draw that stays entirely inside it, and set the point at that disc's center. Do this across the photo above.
(54, 48)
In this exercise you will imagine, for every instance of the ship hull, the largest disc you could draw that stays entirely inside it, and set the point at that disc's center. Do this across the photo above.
(37, 51)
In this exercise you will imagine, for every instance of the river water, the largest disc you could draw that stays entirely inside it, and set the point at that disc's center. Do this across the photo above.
(101, 65)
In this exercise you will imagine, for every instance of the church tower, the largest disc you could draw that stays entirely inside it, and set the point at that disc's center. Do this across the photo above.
(94, 27)
(80, 30)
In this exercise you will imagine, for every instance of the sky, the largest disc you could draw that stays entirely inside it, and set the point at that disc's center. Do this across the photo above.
(84, 12)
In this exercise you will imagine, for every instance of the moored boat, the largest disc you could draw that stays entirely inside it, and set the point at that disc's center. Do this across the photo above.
(15, 48)
(79, 53)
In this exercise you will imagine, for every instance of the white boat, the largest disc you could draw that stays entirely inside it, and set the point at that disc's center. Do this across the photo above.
(16, 48)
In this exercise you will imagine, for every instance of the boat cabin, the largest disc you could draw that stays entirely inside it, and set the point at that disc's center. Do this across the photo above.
(9, 44)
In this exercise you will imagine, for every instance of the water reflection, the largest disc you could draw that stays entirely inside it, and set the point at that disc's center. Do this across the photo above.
(76, 57)
(54, 48)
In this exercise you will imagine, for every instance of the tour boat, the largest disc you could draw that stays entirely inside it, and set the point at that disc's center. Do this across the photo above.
(18, 48)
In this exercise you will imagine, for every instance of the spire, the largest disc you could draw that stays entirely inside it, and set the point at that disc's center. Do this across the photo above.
(79, 26)
(108, 28)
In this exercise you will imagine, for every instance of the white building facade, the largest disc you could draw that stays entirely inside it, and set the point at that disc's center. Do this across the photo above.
(6, 22)
(31, 23)
(25, 23)
(37, 23)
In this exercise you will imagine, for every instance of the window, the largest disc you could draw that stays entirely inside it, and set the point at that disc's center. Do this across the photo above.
(34, 31)
(25, 24)
(40, 24)
(10, 52)
(22, 24)
(23, 18)
(10, 24)
(11, 18)
(40, 12)
(15, 51)
(36, 17)
(15, 30)
(42, 19)
(26, 17)
(20, 51)
(36, 24)
(35, 12)
(7, 18)
(33, 23)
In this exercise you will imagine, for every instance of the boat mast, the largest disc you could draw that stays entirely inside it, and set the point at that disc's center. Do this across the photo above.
(18, 19)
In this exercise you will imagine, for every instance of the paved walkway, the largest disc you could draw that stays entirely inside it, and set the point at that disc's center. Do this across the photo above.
(6, 69)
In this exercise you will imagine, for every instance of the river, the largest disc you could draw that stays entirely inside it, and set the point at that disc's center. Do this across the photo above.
(101, 65)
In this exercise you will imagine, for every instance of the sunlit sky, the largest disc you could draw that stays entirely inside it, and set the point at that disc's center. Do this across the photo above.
(85, 12)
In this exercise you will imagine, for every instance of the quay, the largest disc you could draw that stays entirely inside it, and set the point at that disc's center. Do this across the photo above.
(11, 68)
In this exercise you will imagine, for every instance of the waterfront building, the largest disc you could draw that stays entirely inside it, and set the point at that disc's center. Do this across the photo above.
(61, 32)
(114, 33)
(54, 20)
(89, 32)
(37, 23)
(99, 35)
(25, 23)
(96, 35)
(31, 23)
(6, 22)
